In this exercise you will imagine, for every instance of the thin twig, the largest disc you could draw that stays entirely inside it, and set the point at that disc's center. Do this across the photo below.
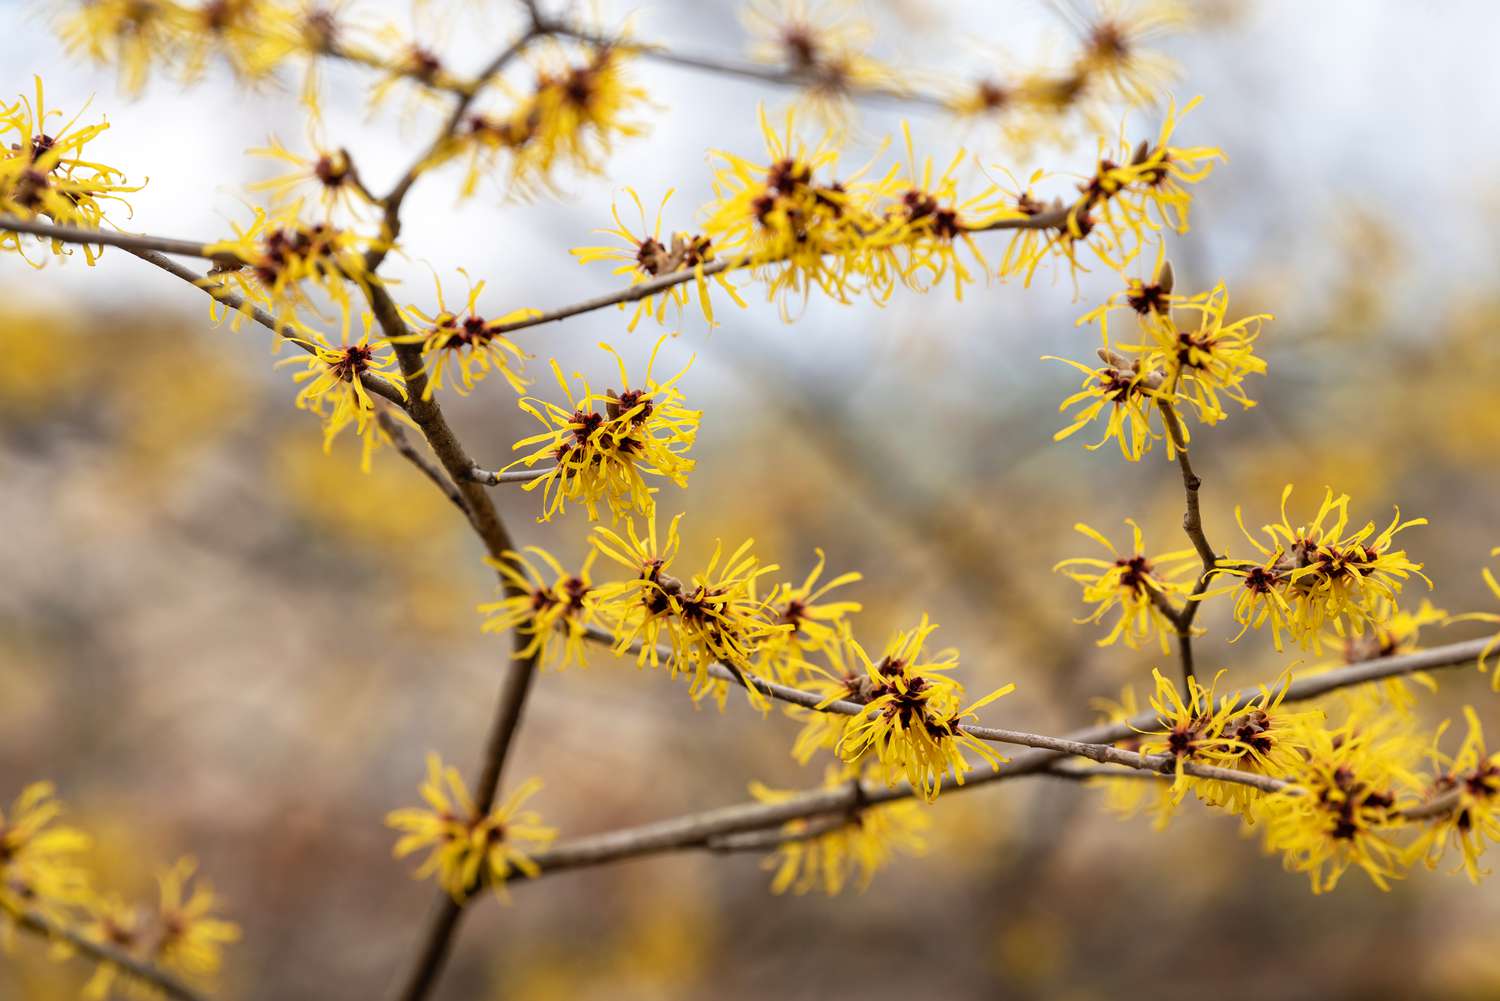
(697, 830)
(392, 202)
(107, 238)
(135, 969)
(1192, 524)
(1050, 219)
(494, 479)
(393, 429)
(812, 78)
(376, 384)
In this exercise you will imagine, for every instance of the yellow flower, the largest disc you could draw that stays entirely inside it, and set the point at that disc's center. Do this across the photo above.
(1146, 299)
(1026, 246)
(814, 623)
(39, 858)
(1494, 644)
(605, 456)
(135, 34)
(330, 173)
(333, 387)
(235, 29)
(113, 922)
(647, 256)
(910, 724)
(1392, 631)
(1134, 584)
(1471, 779)
(562, 609)
(1141, 190)
(920, 239)
(468, 851)
(715, 617)
(475, 344)
(1343, 808)
(828, 854)
(1189, 728)
(824, 44)
(1314, 577)
(1113, 61)
(191, 939)
(43, 172)
(1201, 364)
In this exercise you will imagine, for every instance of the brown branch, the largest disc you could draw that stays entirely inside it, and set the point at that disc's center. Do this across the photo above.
(393, 429)
(697, 830)
(392, 202)
(813, 78)
(427, 413)
(99, 952)
(107, 238)
(1050, 219)
(1192, 524)
(494, 479)
(376, 384)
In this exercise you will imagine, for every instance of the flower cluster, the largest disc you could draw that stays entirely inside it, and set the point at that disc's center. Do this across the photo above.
(579, 107)
(603, 445)
(278, 259)
(553, 614)
(1344, 806)
(824, 44)
(45, 174)
(1172, 365)
(40, 864)
(910, 721)
(647, 256)
(714, 618)
(470, 343)
(1315, 577)
(798, 227)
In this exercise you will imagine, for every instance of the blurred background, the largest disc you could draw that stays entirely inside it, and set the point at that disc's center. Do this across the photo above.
(218, 641)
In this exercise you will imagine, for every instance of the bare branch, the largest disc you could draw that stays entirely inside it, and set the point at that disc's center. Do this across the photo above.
(700, 829)
(392, 202)
(427, 413)
(494, 479)
(135, 969)
(1192, 524)
(107, 238)
(1050, 219)
(393, 429)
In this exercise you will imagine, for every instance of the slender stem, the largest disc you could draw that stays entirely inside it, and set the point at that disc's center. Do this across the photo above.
(699, 830)
(427, 413)
(813, 77)
(1192, 524)
(381, 387)
(1049, 219)
(135, 969)
(393, 429)
(109, 238)
(392, 202)
(494, 479)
